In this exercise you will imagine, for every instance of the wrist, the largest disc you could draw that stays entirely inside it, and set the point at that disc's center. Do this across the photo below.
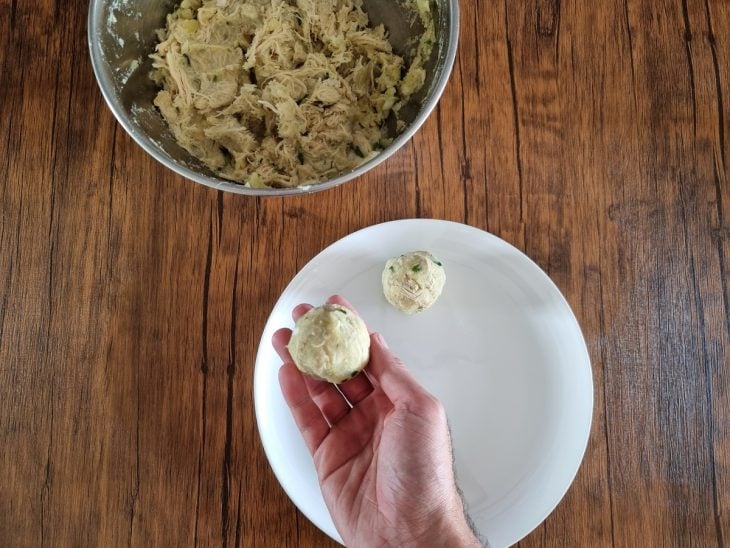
(452, 529)
(457, 533)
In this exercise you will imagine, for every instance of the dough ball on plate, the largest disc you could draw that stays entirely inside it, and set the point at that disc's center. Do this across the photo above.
(331, 343)
(413, 281)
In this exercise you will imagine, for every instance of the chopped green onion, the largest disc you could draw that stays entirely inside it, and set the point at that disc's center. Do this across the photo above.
(416, 268)
(357, 150)
(300, 156)
(438, 263)
(342, 310)
(391, 268)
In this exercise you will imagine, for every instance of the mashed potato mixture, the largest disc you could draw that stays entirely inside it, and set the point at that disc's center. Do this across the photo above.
(282, 92)
(330, 343)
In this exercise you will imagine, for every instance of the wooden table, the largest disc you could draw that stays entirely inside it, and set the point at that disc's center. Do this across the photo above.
(594, 136)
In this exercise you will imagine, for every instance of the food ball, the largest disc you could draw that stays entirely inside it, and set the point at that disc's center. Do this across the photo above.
(413, 281)
(330, 343)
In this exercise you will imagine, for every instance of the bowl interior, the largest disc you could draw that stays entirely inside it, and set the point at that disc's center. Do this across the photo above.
(122, 34)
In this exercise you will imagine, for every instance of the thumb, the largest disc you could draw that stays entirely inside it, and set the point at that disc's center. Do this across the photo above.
(391, 374)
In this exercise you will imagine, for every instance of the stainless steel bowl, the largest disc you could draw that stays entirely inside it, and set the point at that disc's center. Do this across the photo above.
(121, 36)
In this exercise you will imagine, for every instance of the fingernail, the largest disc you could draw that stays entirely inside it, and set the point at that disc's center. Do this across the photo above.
(382, 342)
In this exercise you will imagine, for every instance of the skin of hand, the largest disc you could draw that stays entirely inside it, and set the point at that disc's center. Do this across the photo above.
(382, 452)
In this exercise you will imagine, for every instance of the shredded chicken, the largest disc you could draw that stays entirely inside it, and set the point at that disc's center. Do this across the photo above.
(282, 92)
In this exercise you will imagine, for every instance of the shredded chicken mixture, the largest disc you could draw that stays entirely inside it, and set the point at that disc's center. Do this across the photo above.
(282, 92)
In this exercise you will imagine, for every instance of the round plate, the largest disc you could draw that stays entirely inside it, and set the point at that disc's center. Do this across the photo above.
(501, 349)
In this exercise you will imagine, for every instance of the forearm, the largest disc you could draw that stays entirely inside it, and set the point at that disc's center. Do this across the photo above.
(449, 528)
(454, 530)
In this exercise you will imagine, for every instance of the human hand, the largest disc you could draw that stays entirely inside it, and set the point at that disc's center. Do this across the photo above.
(384, 459)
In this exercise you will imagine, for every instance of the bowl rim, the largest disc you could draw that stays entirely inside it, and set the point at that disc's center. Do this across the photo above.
(105, 83)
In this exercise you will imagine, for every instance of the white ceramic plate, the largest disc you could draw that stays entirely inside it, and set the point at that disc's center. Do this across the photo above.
(501, 349)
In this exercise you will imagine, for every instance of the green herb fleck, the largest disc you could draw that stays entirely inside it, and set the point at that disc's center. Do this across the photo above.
(342, 310)
(379, 145)
(215, 77)
(438, 263)
(300, 157)
(187, 59)
(391, 268)
(357, 150)
(416, 268)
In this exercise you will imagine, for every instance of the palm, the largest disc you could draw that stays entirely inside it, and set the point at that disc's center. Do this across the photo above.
(348, 462)
(372, 468)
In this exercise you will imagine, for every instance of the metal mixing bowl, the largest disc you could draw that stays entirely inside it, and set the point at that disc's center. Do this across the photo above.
(122, 34)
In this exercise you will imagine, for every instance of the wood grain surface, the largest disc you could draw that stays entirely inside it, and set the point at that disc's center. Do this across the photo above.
(594, 136)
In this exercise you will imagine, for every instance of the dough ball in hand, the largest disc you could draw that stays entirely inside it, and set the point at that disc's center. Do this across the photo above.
(330, 343)
(413, 281)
